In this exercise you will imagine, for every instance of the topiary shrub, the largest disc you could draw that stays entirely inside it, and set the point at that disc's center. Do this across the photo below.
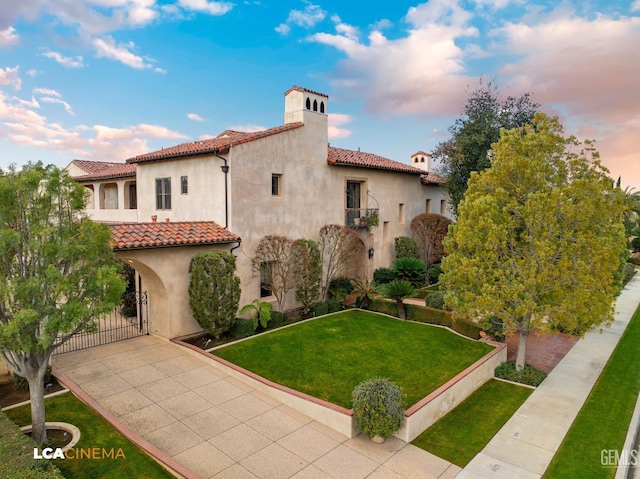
(422, 314)
(385, 307)
(529, 375)
(22, 382)
(434, 300)
(629, 272)
(406, 247)
(466, 328)
(378, 407)
(383, 275)
(242, 328)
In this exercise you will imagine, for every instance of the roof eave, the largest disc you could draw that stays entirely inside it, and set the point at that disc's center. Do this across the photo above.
(339, 163)
(204, 243)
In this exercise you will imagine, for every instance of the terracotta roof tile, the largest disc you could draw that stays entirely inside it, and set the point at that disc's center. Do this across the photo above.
(299, 88)
(339, 156)
(99, 170)
(159, 235)
(220, 144)
(431, 178)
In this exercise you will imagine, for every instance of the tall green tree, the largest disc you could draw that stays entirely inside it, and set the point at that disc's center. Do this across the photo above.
(472, 134)
(214, 291)
(308, 271)
(58, 273)
(539, 238)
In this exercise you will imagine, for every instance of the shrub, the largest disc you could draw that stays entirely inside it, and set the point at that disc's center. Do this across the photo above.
(242, 328)
(319, 309)
(406, 247)
(22, 382)
(467, 328)
(410, 269)
(435, 271)
(428, 315)
(493, 326)
(340, 287)
(277, 320)
(383, 275)
(629, 272)
(384, 307)
(378, 407)
(434, 300)
(529, 375)
(333, 306)
(635, 243)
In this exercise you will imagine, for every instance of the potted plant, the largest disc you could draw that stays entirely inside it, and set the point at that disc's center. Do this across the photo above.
(378, 408)
(370, 220)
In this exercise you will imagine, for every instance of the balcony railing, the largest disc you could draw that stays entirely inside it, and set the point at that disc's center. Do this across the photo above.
(361, 217)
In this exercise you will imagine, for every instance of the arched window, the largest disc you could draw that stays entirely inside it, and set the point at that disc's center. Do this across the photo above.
(321, 107)
(315, 105)
(422, 159)
(308, 104)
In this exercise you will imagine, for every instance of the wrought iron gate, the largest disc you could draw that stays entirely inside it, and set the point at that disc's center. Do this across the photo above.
(128, 320)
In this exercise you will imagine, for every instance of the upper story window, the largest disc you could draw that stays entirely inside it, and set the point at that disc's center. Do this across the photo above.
(184, 185)
(276, 185)
(163, 193)
(401, 213)
(353, 194)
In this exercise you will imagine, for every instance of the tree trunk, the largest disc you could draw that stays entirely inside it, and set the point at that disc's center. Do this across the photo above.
(522, 342)
(401, 312)
(36, 392)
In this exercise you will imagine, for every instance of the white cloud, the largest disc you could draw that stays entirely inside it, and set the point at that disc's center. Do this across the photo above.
(336, 120)
(194, 117)
(69, 62)
(248, 128)
(8, 36)
(32, 72)
(307, 18)
(9, 76)
(635, 6)
(205, 6)
(46, 91)
(106, 47)
(67, 107)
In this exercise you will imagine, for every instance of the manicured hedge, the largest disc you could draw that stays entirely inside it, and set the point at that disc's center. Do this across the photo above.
(16, 455)
(423, 314)
(386, 307)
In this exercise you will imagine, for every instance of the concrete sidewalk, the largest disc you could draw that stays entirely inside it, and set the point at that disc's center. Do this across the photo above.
(218, 427)
(526, 444)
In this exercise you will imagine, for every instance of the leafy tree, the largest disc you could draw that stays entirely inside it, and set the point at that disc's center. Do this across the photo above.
(406, 247)
(340, 250)
(58, 273)
(308, 271)
(276, 256)
(410, 269)
(214, 291)
(261, 312)
(398, 289)
(430, 229)
(473, 133)
(539, 238)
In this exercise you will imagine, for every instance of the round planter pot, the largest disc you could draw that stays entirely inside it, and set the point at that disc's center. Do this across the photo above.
(377, 439)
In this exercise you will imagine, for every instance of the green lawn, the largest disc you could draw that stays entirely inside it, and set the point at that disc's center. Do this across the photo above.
(98, 433)
(604, 418)
(327, 357)
(464, 431)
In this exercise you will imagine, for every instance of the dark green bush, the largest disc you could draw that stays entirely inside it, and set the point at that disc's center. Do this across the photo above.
(435, 271)
(22, 383)
(378, 407)
(529, 375)
(385, 307)
(383, 275)
(277, 320)
(242, 328)
(340, 287)
(422, 314)
(412, 270)
(333, 306)
(494, 327)
(467, 328)
(406, 247)
(434, 300)
(635, 243)
(319, 309)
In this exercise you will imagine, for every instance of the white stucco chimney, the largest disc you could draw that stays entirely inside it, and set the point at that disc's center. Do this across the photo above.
(300, 104)
(422, 161)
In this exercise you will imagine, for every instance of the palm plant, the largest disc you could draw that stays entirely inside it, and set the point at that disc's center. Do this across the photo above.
(410, 269)
(365, 290)
(261, 312)
(398, 289)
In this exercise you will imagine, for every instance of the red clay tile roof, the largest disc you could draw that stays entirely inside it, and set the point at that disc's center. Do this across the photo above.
(299, 88)
(341, 157)
(98, 170)
(421, 153)
(220, 144)
(432, 179)
(163, 234)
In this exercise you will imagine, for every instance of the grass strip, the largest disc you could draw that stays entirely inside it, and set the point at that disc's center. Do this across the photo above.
(95, 433)
(602, 423)
(327, 357)
(465, 431)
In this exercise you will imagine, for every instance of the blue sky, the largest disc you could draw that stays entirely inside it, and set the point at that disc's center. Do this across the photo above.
(110, 79)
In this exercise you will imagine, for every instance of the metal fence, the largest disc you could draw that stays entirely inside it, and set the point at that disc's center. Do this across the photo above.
(128, 320)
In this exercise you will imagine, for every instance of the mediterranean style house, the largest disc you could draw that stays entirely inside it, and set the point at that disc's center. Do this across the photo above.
(228, 192)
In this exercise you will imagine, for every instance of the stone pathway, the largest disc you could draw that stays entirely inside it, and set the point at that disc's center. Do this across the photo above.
(526, 444)
(218, 427)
